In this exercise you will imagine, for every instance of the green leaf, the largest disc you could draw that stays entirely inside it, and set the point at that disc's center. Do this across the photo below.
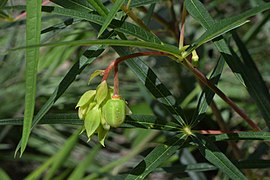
(3, 3)
(244, 164)
(216, 157)
(119, 26)
(40, 170)
(166, 48)
(197, 10)
(207, 94)
(92, 120)
(253, 80)
(82, 167)
(263, 136)
(80, 5)
(62, 155)
(87, 58)
(138, 3)
(86, 98)
(102, 92)
(117, 5)
(125, 27)
(4, 175)
(99, 7)
(218, 29)
(95, 74)
(131, 121)
(156, 157)
(33, 27)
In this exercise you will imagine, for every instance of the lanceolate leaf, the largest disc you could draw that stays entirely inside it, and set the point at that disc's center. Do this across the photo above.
(126, 27)
(264, 136)
(156, 157)
(218, 29)
(207, 95)
(117, 5)
(33, 27)
(245, 164)
(131, 121)
(254, 81)
(198, 11)
(166, 48)
(87, 58)
(216, 157)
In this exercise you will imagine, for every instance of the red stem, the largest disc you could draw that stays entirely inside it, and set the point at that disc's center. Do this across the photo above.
(22, 15)
(216, 132)
(205, 81)
(114, 64)
(116, 81)
(123, 58)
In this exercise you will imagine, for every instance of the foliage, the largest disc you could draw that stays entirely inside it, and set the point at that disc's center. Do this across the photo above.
(197, 84)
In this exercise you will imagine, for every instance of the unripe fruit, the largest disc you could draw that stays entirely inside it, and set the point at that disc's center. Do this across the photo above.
(114, 111)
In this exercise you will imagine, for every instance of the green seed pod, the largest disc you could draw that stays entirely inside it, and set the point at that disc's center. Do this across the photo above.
(114, 111)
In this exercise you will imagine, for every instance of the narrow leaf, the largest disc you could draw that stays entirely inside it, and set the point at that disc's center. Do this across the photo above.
(244, 164)
(131, 121)
(33, 28)
(217, 30)
(197, 10)
(254, 81)
(117, 5)
(156, 157)
(263, 136)
(87, 58)
(216, 157)
(62, 155)
(99, 7)
(81, 168)
(207, 95)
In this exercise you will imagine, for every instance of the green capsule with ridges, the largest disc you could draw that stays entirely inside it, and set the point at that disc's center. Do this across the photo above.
(114, 111)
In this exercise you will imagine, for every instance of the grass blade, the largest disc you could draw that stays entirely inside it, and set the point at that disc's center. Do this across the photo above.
(117, 5)
(33, 29)
(216, 157)
(156, 157)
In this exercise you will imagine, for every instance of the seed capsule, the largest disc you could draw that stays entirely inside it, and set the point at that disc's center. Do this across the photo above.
(114, 111)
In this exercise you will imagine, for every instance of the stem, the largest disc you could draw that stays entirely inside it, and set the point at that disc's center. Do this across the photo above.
(123, 58)
(216, 90)
(116, 81)
(216, 132)
(22, 15)
(182, 28)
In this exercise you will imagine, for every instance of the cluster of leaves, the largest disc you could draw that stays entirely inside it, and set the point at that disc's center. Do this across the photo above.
(117, 25)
